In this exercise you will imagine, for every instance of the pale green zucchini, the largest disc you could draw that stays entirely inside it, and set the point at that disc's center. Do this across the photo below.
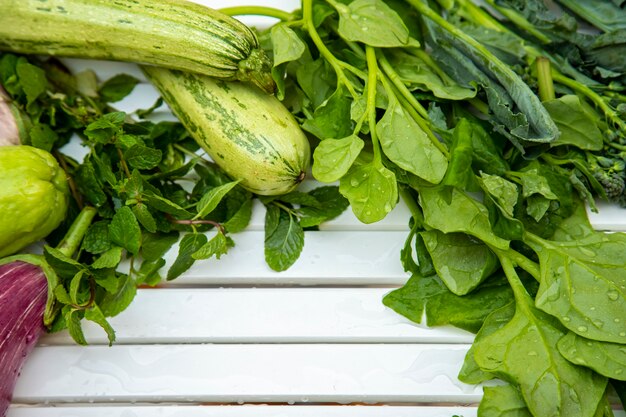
(249, 134)
(175, 34)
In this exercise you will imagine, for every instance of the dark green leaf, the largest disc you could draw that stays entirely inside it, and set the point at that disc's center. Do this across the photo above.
(155, 245)
(142, 213)
(117, 87)
(64, 266)
(189, 244)
(576, 127)
(240, 220)
(163, 204)
(149, 272)
(95, 314)
(43, 137)
(442, 307)
(212, 198)
(109, 259)
(284, 239)
(142, 157)
(32, 79)
(461, 262)
(331, 205)
(72, 320)
(124, 230)
(332, 118)
(106, 128)
(89, 185)
(113, 304)
(217, 246)
(97, 238)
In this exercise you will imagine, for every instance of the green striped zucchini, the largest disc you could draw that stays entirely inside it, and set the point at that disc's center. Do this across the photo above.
(249, 134)
(175, 34)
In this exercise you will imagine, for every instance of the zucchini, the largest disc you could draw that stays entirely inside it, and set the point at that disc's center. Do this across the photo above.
(175, 34)
(249, 134)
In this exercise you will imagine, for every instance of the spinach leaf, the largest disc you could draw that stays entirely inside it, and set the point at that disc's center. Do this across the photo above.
(470, 372)
(332, 158)
(405, 143)
(371, 22)
(371, 190)
(461, 214)
(608, 359)
(582, 283)
(422, 73)
(332, 118)
(576, 127)
(431, 296)
(552, 385)
(504, 400)
(461, 262)
(287, 45)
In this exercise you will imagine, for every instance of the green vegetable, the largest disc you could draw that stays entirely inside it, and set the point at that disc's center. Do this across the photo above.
(33, 196)
(452, 122)
(249, 134)
(172, 33)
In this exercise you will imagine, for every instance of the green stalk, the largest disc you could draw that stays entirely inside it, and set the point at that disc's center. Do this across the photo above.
(544, 77)
(307, 16)
(520, 21)
(257, 11)
(73, 238)
(591, 95)
(397, 82)
(414, 208)
(372, 79)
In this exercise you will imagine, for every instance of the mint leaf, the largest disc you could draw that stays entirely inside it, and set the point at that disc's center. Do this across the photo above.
(240, 219)
(189, 244)
(212, 198)
(143, 157)
(283, 241)
(113, 304)
(155, 245)
(109, 259)
(117, 87)
(124, 230)
(95, 314)
(217, 246)
(97, 238)
(144, 216)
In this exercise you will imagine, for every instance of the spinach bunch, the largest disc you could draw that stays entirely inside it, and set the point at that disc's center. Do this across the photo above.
(152, 189)
(444, 111)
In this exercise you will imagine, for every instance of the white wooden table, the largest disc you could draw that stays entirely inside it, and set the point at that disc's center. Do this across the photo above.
(233, 338)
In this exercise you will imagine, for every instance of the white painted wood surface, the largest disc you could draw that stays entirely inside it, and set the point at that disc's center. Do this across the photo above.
(233, 338)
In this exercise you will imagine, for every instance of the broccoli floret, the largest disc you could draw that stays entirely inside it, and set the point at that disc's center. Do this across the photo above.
(612, 182)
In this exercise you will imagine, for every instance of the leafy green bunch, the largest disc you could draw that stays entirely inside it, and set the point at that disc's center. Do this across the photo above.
(573, 56)
(148, 189)
(405, 101)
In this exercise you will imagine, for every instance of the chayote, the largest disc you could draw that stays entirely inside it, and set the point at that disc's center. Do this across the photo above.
(34, 196)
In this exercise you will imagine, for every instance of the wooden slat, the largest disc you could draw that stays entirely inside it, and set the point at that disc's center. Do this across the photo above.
(328, 258)
(373, 373)
(263, 315)
(246, 411)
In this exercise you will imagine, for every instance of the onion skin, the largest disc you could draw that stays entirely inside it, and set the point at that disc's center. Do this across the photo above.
(23, 296)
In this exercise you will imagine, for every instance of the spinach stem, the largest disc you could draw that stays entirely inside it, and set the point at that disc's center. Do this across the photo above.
(544, 78)
(410, 201)
(519, 21)
(519, 291)
(307, 12)
(397, 82)
(372, 80)
(257, 11)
